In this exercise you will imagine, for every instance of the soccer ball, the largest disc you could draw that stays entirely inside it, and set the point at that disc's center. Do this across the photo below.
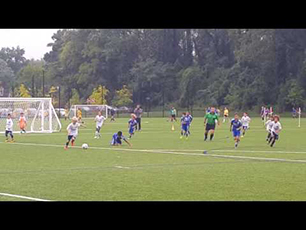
(84, 146)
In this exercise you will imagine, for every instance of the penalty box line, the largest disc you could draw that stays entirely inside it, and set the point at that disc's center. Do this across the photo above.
(176, 153)
(23, 197)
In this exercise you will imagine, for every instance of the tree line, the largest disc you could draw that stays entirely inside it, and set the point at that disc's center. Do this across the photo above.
(238, 68)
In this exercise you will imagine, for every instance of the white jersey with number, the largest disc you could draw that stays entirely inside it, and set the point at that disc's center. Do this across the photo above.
(9, 125)
(245, 120)
(73, 129)
(269, 125)
(276, 127)
(99, 120)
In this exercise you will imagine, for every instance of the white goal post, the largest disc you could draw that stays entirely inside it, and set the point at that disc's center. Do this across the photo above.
(39, 113)
(89, 111)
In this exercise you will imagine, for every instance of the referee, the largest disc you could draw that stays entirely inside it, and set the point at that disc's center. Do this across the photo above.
(210, 122)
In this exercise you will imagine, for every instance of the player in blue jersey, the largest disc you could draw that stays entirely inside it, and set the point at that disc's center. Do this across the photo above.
(236, 126)
(132, 124)
(184, 129)
(189, 120)
(117, 137)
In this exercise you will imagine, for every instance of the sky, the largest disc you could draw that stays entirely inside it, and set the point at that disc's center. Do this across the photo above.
(33, 41)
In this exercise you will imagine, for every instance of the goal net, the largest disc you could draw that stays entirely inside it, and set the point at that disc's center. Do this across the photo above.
(39, 113)
(89, 111)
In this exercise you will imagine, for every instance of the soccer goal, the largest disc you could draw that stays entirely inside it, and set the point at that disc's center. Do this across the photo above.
(89, 111)
(39, 113)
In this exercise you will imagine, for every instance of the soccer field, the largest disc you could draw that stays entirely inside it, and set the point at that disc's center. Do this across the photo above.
(159, 167)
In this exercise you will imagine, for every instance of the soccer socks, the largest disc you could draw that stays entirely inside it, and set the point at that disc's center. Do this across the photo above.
(272, 142)
(211, 136)
(268, 137)
(206, 134)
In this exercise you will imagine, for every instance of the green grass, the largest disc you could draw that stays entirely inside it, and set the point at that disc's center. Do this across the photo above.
(38, 166)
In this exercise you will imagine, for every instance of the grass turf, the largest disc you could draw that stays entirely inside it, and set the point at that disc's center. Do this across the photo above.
(38, 166)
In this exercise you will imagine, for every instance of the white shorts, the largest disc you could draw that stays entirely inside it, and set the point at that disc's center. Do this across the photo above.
(99, 125)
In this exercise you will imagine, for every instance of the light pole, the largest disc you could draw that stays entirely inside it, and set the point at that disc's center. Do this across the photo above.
(43, 83)
(59, 101)
(33, 92)
(102, 95)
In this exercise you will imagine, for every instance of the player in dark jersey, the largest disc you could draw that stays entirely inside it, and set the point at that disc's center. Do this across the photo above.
(210, 123)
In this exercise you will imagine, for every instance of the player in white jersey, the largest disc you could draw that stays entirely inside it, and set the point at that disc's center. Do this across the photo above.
(73, 129)
(245, 120)
(99, 122)
(269, 125)
(9, 128)
(276, 128)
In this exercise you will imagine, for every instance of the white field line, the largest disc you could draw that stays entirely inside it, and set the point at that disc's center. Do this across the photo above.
(22, 197)
(84, 133)
(229, 150)
(121, 167)
(173, 152)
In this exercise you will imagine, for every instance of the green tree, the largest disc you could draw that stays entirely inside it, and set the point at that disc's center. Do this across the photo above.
(75, 99)
(295, 95)
(31, 77)
(14, 58)
(98, 95)
(6, 76)
(23, 91)
(123, 97)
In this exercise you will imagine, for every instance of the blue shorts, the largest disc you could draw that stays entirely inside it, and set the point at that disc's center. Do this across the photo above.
(185, 127)
(131, 130)
(245, 127)
(236, 133)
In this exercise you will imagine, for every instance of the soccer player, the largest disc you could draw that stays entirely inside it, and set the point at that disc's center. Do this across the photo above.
(99, 123)
(293, 112)
(9, 128)
(189, 120)
(66, 113)
(117, 137)
(225, 114)
(184, 126)
(79, 115)
(172, 117)
(271, 111)
(276, 128)
(22, 123)
(235, 128)
(267, 111)
(132, 123)
(172, 114)
(72, 129)
(262, 113)
(138, 112)
(210, 122)
(245, 120)
(112, 114)
(269, 125)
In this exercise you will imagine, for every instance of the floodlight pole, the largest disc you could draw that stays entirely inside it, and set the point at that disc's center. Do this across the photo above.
(59, 102)
(43, 82)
